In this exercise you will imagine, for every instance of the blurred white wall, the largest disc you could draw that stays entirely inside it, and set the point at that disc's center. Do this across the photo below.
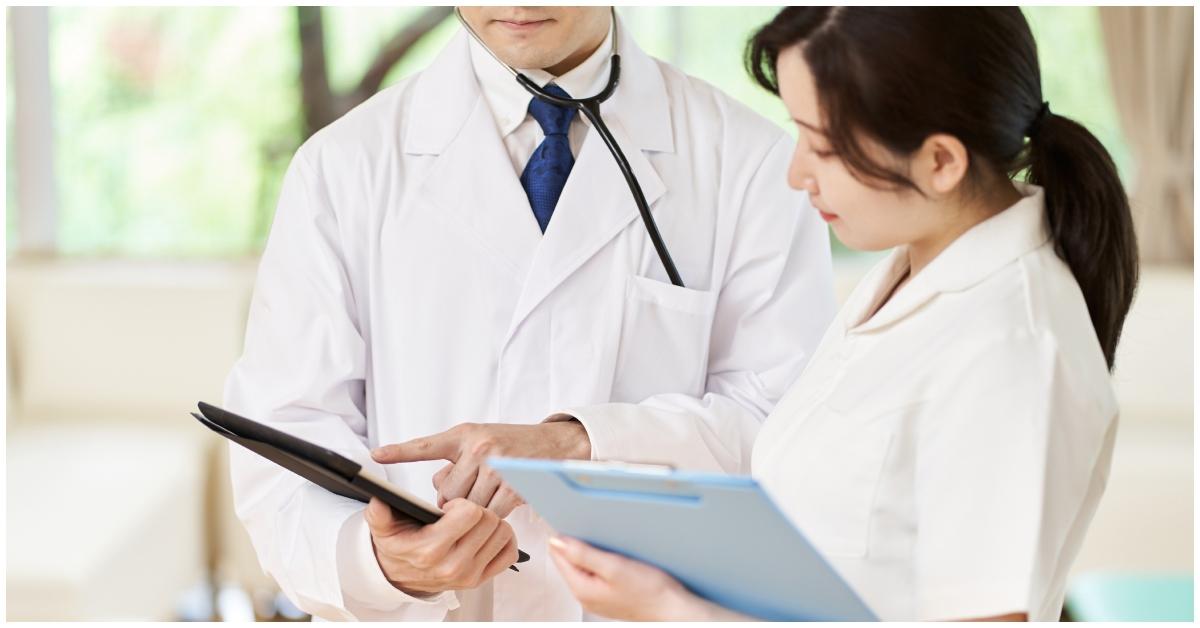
(105, 359)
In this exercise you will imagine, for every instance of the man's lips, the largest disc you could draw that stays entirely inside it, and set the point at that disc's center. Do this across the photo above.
(522, 25)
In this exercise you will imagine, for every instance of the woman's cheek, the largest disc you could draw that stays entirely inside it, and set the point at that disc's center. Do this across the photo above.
(853, 225)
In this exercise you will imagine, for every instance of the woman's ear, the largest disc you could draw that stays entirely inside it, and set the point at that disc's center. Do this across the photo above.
(940, 164)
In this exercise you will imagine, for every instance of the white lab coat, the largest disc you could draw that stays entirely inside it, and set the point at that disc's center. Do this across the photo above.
(947, 453)
(406, 288)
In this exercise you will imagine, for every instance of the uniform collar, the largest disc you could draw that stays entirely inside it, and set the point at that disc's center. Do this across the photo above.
(445, 93)
(973, 257)
(509, 101)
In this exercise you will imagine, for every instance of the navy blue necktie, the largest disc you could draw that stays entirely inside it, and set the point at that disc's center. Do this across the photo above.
(548, 168)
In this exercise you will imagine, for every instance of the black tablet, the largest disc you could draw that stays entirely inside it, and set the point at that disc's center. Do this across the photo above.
(324, 467)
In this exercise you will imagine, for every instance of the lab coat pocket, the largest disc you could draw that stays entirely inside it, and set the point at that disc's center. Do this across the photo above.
(663, 341)
(843, 476)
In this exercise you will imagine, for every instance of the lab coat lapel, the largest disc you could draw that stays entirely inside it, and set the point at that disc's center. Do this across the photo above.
(472, 183)
(595, 206)
(596, 203)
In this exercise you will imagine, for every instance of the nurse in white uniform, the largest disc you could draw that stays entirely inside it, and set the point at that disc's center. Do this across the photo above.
(423, 271)
(948, 444)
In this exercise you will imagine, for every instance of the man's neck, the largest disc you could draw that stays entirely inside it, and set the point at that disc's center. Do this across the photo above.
(580, 55)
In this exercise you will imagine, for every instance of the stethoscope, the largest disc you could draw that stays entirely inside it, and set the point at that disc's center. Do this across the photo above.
(590, 107)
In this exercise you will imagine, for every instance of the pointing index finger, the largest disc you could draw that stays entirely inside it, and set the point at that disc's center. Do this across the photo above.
(443, 446)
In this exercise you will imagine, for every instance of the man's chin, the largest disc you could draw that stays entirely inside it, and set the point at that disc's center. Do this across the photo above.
(526, 64)
(522, 56)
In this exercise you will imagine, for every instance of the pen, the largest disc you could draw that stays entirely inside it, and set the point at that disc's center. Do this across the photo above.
(521, 557)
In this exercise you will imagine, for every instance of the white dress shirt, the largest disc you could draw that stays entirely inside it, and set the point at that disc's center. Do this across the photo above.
(947, 453)
(509, 102)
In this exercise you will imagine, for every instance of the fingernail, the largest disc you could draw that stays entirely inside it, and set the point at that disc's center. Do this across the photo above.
(377, 452)
(557, 543)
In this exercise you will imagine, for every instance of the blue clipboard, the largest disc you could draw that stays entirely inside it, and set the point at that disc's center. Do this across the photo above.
(720, 535)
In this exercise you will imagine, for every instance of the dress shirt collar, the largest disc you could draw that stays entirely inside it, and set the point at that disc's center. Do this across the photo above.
(510, 102)
(976, 255)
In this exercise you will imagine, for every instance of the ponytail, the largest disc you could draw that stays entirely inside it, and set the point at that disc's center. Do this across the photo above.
(897, 75)
(1089, 218)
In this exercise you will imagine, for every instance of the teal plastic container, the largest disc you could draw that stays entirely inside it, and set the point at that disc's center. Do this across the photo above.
(1131, 597)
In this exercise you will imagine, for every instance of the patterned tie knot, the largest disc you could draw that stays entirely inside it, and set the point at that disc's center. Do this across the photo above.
(553, 119)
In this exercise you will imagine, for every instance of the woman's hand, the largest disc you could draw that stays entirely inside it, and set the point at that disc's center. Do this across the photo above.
(617, 587)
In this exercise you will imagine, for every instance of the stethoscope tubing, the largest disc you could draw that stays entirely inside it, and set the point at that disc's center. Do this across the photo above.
(590, 108)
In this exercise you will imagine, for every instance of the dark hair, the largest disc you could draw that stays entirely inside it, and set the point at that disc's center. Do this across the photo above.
(897, 75)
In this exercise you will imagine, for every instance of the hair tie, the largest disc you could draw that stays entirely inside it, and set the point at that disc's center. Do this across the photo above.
(1035, 126)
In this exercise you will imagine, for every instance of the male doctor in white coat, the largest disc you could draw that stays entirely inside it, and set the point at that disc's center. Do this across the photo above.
(452, 253)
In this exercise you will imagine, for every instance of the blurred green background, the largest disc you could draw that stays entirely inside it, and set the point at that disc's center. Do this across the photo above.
(173, 126)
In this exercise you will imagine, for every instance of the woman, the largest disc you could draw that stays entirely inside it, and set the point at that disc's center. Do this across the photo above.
(947, 444)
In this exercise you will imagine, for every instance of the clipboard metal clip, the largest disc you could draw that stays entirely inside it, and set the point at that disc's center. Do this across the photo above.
(618, 465)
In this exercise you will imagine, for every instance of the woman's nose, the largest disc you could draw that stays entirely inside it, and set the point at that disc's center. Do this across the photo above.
(800, 176)
(809, 184)
(801, 179)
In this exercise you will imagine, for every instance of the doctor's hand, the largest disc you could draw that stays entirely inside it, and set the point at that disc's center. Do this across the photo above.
(468, 445)
(466, 547)
(620, 588)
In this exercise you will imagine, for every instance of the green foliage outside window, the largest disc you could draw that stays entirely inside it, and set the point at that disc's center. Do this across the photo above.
(174, 125)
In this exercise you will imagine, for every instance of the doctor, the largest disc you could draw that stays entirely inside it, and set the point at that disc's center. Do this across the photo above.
(454, 259)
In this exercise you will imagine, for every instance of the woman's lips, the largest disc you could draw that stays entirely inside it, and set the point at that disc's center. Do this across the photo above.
(827, 217)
